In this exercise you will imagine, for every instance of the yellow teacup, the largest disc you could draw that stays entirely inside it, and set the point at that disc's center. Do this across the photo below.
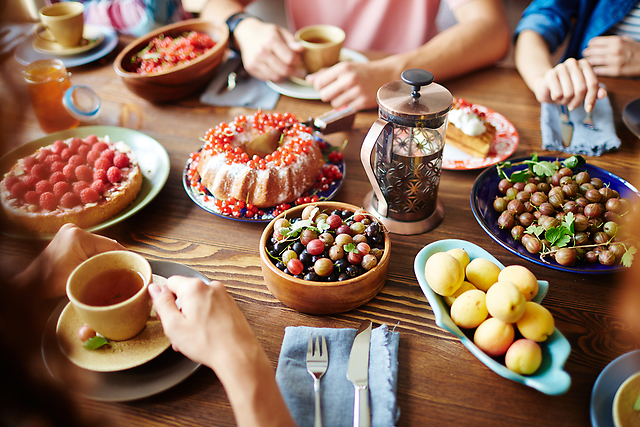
(322, 45)
(109, 293)
(64, 22)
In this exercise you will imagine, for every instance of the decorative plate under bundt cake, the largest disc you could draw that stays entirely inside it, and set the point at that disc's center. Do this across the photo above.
(263, 160)
(84, 182)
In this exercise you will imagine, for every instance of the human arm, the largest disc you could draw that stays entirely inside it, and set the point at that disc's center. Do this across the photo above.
(211, 329)
(613, 56)
(570, 83)
(269, 52)
(456, 51)
(47, 275)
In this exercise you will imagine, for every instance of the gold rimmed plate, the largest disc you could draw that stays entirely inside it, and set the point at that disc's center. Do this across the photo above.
(117, 355)
(43, 41)
(166, 370)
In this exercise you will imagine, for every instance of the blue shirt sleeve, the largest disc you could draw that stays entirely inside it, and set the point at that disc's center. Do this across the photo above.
(552, 19)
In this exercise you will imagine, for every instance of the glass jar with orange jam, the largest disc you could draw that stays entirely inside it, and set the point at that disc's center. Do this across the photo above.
(48, 80)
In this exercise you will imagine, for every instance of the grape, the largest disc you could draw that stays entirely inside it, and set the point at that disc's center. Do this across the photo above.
(85, 332)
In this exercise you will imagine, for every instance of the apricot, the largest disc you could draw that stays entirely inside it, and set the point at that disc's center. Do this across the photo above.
(523, 278)
(494, 336)
(469, 309)
(505, 301)
(466, 286)
(461, 255)
(536, 323)
(523, 357)
(443, 273)
(482, 273)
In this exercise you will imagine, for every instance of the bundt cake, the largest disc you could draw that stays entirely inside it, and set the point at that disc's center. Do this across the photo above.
(264, 159)
(468, 130)
(78, 181)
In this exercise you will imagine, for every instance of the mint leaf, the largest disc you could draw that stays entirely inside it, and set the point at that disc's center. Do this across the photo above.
(520, 176)
(95, 342)
(574, 161)
(627, 258)
(536, 230)
(544, 168)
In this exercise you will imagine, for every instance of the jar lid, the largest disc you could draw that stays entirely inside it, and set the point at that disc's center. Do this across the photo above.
(414, 98)
(82, 102)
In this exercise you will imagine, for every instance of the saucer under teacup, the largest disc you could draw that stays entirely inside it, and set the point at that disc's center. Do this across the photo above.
(302, 82)
(43, 41)
(119, 355)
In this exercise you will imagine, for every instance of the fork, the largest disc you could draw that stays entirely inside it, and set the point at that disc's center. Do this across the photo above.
(317, 363)
(588, 123)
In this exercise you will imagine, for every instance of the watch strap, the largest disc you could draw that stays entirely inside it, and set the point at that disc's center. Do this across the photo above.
(232, 22)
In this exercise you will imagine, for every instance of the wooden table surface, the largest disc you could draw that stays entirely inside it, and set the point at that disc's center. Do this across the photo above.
(440, 382)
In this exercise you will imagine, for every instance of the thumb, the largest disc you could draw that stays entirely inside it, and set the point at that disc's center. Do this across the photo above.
(165, 303)
(291, 41)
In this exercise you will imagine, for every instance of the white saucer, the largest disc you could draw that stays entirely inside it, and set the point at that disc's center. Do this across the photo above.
(42, 42)
(304, 91)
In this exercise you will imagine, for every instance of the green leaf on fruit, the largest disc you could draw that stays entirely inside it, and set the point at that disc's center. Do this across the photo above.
(627, 258)
(568, 221)
(536, 230)
(520, 176)
(636, 406)
(95, 342)
(350, 247)
(323, 226)
(574, 161)
(544, 168)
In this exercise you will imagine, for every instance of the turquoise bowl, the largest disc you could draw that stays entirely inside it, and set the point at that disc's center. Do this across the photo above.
(550, 378)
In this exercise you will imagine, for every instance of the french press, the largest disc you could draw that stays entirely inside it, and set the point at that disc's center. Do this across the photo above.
(402, 153)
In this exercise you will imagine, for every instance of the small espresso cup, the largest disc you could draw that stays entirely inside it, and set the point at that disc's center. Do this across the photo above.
(65, 22)
(322, 44)
(110, 293)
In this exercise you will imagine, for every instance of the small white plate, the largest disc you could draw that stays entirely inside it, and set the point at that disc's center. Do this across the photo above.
(91, 37)
(303, 91)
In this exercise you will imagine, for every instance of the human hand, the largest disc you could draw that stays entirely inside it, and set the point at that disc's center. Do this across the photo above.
(70, 247)
(269, 52)
(209, 328)
(570, 83)
(354, 84)
(613, 56)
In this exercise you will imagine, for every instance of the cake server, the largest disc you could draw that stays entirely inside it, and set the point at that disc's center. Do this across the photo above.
(358, 374)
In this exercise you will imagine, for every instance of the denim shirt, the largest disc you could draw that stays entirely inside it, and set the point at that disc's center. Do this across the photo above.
(554, 19)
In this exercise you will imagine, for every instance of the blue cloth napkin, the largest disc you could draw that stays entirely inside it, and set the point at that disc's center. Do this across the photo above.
(585, 141)
(249, 91)
(337, 392)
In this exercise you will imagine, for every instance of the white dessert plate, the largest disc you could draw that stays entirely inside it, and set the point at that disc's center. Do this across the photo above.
(152, 157)
(304, 91)
(504, 144)
(607, 384)
(158, 374)
(550, 378)
(43, 41)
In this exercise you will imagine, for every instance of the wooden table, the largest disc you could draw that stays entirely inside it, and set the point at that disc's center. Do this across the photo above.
(440, 382)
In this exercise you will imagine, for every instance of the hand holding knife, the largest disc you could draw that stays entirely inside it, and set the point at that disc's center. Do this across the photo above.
(358, 374)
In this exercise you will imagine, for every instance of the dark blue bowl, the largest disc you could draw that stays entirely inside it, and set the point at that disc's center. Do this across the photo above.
(485, 190)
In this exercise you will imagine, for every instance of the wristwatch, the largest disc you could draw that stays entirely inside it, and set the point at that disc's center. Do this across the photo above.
(232, 23)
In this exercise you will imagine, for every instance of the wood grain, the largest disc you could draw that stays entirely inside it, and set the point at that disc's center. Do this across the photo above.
(440, 382)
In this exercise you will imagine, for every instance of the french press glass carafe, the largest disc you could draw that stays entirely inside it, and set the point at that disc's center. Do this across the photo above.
(402, 153)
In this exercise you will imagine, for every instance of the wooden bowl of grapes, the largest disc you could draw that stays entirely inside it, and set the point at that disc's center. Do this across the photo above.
(173, 61)
(325, 257)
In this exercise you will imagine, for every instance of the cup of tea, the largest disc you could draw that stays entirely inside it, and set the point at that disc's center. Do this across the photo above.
(109, 293)
(64, 22)
(322, 45)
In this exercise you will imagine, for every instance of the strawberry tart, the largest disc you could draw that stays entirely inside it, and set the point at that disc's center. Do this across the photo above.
(78, 181)
(264, 159)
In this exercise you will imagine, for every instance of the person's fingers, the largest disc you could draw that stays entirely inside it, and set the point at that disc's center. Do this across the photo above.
(602, 92)
(592, 85)
(557, 80)
(165, 303)
(291, 41)
(576, 88)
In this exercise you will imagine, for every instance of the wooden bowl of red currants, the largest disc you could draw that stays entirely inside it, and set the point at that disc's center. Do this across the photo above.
(173, 61)
(325, 257)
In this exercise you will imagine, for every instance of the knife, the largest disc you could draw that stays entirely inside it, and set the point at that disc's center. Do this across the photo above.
(358, 374)
(566, 127)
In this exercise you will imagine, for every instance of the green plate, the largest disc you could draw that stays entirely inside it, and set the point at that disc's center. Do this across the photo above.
(152, 157)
